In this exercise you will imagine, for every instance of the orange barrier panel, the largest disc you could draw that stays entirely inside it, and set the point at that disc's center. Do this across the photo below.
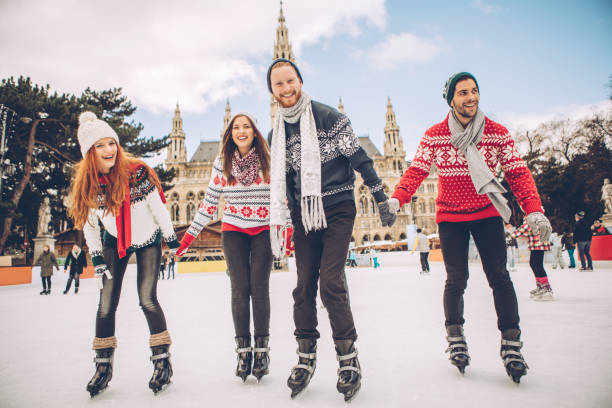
(15, 275)
(435, 255)
(88, 272)
(601, 248)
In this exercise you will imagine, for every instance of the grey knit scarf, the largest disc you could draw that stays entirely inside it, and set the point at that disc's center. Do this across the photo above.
(465, 140)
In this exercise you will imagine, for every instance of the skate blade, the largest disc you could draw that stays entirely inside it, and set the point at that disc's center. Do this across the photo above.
(259, 376)
(296, 392)
(161, 388)
(93, 393)
(349, 396)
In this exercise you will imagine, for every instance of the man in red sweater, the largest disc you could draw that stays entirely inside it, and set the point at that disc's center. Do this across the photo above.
(466, 148)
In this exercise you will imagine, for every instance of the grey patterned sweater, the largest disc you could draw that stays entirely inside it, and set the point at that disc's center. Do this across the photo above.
(341, 154)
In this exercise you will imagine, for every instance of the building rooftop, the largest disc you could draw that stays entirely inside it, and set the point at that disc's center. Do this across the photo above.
(369, 146)
(206, 152)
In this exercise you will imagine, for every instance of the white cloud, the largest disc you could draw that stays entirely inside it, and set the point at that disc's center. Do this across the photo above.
(530, 121)
(485, 8)
(197, 52)
(401, 49)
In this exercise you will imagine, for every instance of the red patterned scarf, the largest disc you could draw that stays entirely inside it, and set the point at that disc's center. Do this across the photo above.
(245, 169)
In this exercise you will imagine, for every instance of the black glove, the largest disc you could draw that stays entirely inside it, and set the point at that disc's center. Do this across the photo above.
(386, 216)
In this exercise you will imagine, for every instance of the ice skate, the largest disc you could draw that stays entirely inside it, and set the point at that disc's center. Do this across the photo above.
(349, 373)
(457, 347)
(162, 369)
(510, 352)
(261, 353)
(303, 371)
(245, 357)
(544, 294)
(534, 292)
(104, 371)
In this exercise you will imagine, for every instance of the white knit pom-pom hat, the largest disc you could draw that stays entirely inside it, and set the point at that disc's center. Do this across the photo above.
(92, 129)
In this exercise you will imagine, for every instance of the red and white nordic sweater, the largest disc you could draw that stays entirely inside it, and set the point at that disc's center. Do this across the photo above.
(457, 197)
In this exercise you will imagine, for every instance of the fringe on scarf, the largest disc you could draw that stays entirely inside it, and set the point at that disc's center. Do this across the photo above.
(313, 214)
(276, 240)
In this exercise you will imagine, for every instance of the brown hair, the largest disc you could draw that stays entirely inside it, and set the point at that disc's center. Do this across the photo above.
(86, 186)
(228, 147)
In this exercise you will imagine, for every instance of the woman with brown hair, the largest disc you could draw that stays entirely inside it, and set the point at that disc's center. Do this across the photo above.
(125, 195)
(242, 175)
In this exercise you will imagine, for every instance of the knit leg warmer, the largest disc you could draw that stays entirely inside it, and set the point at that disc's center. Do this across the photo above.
(160, 339)
(104, 343)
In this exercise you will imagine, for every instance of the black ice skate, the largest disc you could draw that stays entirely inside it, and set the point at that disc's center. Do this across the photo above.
(261, 353)
(510, 352)
(104, 371)
(245, 357)
(457, 347)
(349, 373)
(307, 363)
(162, 369)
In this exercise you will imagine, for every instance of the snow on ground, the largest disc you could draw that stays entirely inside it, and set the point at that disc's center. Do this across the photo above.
(46, 351)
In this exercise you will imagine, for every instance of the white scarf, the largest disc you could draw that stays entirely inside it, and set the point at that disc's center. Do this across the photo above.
(465, 140)
(313, 214)
(76, 252)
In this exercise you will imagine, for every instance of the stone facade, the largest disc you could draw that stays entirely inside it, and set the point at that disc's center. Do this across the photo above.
(193, 175)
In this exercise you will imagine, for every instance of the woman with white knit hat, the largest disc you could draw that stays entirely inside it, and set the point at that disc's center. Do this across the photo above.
(125, 195)
(241, 174)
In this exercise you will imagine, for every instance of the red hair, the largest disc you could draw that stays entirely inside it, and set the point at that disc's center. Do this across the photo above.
(86, 185)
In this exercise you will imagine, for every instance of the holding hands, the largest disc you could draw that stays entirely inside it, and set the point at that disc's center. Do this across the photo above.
(185, 243)
(387, 217)
(540, 225)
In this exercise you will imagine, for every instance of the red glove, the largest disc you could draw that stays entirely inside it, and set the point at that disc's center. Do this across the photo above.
(185, 242)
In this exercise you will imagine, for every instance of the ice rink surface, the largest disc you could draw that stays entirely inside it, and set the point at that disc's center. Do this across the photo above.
(46, 356)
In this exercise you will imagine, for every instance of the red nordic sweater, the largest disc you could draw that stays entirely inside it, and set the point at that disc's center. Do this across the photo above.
(457, 198)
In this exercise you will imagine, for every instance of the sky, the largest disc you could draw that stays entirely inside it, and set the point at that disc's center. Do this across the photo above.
(534, 61)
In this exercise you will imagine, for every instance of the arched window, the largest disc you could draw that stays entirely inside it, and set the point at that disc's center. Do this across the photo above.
(365, 239)
(352, 239)
(201, 196)
(422, 207)
(190, 196)
(388, 237)
(376, 237)
(402, 236)
(373, 206)
(190, 212)
(174, 212)
(432, 205)
(363, 203)
(175, 196)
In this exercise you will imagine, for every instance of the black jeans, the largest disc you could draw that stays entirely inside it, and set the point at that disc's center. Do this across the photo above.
(424, 261)
(148, 260)
(320, 257)
(584, 251)
(46, 282)
(536, 262)
(489, 238)
(249, 260)
(76, 277)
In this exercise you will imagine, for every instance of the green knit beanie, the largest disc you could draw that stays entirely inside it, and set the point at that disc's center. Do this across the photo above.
(449, 87)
